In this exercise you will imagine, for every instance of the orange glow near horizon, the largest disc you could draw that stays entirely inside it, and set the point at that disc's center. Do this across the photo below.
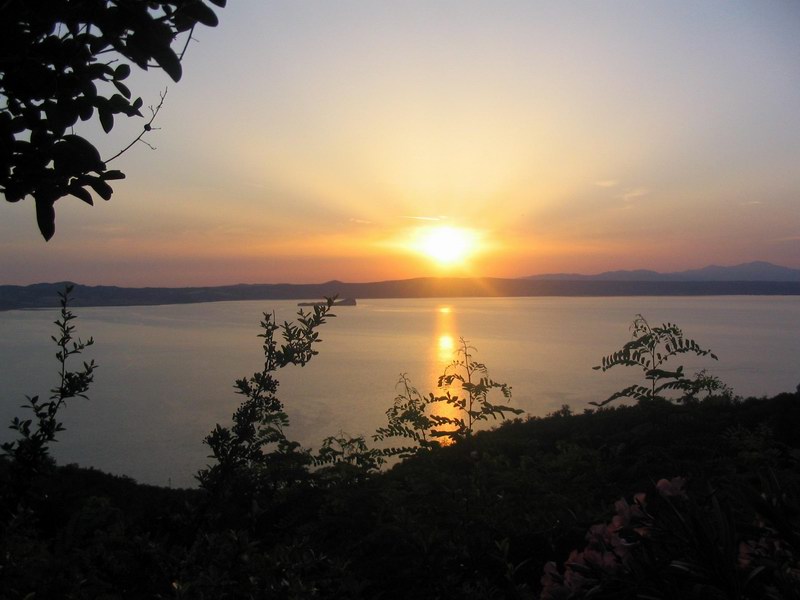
(480, 145)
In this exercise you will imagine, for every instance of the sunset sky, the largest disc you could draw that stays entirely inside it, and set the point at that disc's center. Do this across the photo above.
(373, 140)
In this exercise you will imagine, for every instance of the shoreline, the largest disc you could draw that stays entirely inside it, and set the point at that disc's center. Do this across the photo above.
(45, 295)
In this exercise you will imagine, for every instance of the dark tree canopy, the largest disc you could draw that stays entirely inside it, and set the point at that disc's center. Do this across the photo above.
(62, 61)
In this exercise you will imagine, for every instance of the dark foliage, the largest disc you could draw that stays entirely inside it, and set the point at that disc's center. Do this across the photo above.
(464, 394)
(478, 521)
(64, 61)
(29, 453)
(254, 459)
(649, 350)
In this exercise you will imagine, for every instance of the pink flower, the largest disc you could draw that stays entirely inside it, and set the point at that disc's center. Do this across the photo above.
(630, 516)
(553, 584)
(745, 555)
(575, 581)
(575, 558)
(671, 488)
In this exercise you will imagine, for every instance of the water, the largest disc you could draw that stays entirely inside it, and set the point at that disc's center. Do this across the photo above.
(166, 372)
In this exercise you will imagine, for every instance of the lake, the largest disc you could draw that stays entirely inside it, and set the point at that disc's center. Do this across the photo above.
(166, 373)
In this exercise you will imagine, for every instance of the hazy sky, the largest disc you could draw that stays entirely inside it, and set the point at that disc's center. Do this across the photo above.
(311, 140)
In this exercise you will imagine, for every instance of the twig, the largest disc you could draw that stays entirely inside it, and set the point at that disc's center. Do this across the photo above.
(148, 127)
(186, 45)
(189, 39)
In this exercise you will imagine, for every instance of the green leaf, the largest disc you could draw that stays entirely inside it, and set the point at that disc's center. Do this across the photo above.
(122, 72)
(201, 13)
(85, 109)
(112, 175)
(168, 60)
(106, 119)
(102, 188)
(123, 89)
(82, 194)
(81, 154)
(45, 218)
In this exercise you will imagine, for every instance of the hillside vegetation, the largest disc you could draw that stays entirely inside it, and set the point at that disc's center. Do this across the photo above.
(465, 521)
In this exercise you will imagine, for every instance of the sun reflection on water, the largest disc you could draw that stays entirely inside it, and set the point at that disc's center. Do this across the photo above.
(444, 352)
(446, 347)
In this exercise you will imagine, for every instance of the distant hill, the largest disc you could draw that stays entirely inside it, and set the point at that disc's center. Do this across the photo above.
(45, 295)
(752, 271)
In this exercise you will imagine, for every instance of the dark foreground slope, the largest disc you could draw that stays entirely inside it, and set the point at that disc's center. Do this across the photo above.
(480, 519)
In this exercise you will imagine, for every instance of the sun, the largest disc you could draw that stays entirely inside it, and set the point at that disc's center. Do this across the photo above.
(446, 245)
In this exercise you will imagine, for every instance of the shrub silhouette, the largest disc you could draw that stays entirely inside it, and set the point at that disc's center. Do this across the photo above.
(253, 458)
(466, 386)
(30, 452)
(649, 350)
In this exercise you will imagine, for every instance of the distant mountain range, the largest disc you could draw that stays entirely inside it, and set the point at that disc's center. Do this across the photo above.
(749, 279)
(752, 271)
